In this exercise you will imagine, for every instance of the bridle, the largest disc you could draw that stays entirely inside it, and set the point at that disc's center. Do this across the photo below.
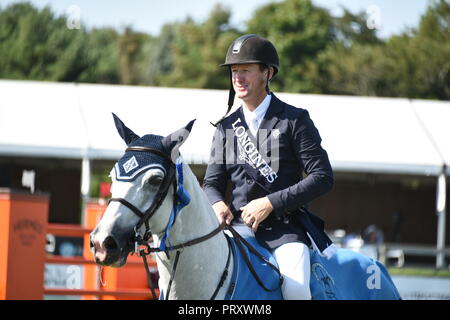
(145, 216)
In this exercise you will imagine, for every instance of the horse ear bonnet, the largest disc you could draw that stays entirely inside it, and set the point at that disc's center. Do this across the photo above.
(133, 163)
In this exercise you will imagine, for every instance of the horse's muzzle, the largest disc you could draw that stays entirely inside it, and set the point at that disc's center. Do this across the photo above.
(107, 252)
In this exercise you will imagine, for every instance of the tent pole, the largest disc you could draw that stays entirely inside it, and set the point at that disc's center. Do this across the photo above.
(85, 187)
(441, 190)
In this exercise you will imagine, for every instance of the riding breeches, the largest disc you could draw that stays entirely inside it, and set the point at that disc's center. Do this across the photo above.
(294, 264)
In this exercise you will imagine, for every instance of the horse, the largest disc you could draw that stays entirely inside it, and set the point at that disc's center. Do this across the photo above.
(157, 199)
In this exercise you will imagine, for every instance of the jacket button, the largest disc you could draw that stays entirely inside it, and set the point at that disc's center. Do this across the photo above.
(249, 181)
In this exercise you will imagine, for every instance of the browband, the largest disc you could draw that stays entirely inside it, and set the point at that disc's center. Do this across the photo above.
(151, 150)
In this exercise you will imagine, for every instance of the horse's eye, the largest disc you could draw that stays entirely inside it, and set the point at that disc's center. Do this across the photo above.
(155, 180)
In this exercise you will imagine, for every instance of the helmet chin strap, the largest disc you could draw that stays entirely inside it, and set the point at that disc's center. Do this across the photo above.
(231, 95)
(268, 80)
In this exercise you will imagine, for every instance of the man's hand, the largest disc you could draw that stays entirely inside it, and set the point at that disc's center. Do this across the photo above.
(223, 213)
(256, 211)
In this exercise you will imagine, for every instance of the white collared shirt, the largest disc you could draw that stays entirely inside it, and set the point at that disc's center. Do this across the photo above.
(254, 118)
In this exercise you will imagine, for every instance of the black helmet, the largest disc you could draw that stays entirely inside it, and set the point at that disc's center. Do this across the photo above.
(249, 48)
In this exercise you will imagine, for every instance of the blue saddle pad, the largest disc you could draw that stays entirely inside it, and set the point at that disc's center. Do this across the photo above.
(349, 275)
(243, 284)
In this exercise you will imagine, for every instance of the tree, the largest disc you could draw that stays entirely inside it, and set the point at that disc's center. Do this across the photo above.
(102, 57)
(34, 44)
(432, 44)
(352, 28)
(413, 64)
(130, 45)
(193, 52)
(356, 70)
(318, 53)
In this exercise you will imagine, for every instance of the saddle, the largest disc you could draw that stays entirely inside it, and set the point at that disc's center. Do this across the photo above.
(255, 274)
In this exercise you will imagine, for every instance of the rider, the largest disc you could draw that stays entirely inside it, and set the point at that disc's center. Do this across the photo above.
(268, 192)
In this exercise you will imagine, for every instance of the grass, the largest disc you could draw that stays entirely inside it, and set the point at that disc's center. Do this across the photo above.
(421, 272)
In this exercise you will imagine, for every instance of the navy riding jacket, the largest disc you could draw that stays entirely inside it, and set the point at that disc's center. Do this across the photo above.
(255, 169)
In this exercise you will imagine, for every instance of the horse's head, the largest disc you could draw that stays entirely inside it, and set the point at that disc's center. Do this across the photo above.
(141, 180)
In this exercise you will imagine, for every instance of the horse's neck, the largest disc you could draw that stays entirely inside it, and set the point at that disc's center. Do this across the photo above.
(200, 266)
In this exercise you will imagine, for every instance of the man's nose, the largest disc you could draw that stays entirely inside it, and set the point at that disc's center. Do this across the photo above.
(238, 76)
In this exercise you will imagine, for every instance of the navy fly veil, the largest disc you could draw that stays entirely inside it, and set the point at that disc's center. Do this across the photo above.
(133, 163)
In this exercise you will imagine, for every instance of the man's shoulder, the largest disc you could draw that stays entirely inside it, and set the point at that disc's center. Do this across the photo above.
(291, 112)
(228, 120)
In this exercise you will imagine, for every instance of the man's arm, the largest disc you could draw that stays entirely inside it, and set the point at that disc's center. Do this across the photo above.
(314, 160)
(216, 179)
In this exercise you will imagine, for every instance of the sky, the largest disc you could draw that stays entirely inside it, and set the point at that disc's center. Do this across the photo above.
(388, 16)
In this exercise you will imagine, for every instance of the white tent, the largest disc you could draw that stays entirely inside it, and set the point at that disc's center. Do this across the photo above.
(360, 134)
(65, 120)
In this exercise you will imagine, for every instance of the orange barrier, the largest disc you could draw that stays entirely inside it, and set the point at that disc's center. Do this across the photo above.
(23, 230)
(128, 282)
(23, 224)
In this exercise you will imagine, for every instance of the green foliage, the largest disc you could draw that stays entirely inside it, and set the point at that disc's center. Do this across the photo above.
(418, 272)
(102, 55)
(319, 53)
(414, 64)
(37, 45)
(130, 45)
(191, 53)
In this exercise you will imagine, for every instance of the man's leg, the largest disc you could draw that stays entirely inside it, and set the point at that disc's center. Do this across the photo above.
(293, 261)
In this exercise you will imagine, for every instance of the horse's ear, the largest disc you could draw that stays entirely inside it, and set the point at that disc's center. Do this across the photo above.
(127, 135)
(173, 141)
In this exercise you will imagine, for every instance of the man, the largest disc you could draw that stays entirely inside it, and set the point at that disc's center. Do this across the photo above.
(262, 149)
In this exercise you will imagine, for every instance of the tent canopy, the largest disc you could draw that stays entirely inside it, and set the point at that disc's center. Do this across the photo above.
(362, 134)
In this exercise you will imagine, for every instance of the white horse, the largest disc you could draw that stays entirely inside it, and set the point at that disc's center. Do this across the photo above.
(200, 266)
(195, 259)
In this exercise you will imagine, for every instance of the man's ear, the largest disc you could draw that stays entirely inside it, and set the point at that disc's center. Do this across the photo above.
(175, 140)
(127, 135)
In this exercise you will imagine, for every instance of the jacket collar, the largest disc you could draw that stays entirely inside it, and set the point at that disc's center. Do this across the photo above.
(271, 118)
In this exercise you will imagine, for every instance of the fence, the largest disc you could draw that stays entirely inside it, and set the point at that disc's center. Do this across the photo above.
(23, 233)
(128, 282)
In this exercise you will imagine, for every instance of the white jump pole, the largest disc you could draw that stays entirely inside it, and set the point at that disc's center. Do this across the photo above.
(85, 187)
(441, 190)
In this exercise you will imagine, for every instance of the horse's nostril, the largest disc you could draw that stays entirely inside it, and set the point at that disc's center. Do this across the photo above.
(110, 244)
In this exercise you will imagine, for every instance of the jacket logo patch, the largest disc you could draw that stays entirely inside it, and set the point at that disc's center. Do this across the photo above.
(276, 133)
(130, 164)
(250, 154)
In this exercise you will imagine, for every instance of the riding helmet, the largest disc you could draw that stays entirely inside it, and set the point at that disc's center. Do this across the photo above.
(249, 48)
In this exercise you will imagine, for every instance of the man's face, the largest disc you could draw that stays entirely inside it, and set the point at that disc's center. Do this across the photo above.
(248, 80)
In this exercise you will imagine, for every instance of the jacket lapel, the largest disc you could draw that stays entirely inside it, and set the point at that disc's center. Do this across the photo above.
(270, 119)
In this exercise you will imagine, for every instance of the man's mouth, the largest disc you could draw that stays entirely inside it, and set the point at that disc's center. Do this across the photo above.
(241, 88)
